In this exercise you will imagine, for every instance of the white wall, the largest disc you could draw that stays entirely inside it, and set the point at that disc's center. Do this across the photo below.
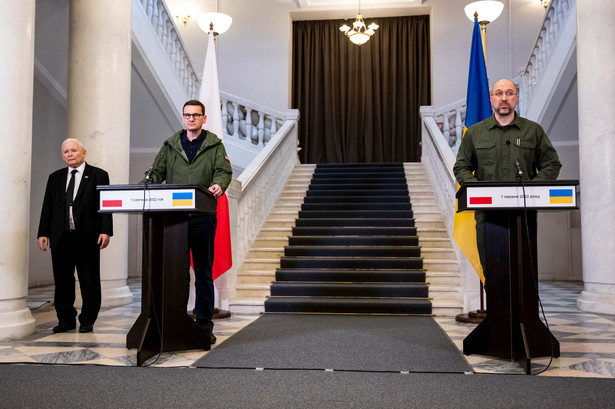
(254, 56)
(254, 59)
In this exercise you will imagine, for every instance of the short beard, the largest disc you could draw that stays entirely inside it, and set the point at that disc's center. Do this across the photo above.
(500, 110)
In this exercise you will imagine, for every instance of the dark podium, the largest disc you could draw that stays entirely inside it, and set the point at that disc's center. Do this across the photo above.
(512, 328)
(164, 324)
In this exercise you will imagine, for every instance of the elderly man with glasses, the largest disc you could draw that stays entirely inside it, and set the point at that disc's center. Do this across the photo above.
(502, 148)
(196, 156)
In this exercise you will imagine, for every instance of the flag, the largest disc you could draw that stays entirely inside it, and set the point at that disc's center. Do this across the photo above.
(210, 97)
(478, 108)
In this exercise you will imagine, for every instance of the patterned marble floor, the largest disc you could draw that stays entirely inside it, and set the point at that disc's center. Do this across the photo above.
(587, 341)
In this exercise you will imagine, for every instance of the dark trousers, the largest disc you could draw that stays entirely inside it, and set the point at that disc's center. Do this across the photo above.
(72, 252)
(479, 216)
(201, 234)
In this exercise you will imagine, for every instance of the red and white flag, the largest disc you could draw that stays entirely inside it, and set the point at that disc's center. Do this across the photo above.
(210, 97)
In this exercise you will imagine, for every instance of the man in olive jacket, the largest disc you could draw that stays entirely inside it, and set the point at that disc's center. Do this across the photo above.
(494, 149)
(196, 156)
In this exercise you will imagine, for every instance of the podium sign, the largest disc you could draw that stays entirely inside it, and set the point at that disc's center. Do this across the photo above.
(512, 328)
(154, 198)
(164, 324)
(534, 195)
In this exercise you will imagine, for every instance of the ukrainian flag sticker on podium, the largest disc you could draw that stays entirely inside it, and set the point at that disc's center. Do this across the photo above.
(560, 195)
(183, 199)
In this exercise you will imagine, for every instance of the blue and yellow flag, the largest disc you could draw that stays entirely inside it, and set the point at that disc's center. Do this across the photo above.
(478, 108)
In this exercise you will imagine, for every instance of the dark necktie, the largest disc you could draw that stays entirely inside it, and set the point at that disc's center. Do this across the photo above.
(69, 198)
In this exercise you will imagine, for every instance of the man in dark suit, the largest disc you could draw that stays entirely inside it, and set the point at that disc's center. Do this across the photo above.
(74, 230)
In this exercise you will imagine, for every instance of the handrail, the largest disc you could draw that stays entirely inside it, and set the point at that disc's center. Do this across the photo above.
(531, 75)
(171, 42)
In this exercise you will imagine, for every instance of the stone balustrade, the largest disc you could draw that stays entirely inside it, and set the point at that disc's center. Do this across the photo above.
(244, 122)
(172, 44)
(254, 193)
(450, 119)
(529, 78)
(249, 122)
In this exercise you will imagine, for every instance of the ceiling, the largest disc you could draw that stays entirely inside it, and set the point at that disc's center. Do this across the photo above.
(339, 4)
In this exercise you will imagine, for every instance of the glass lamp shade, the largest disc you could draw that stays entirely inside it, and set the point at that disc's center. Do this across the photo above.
(221, 22)
(487, 10)
(359, 38)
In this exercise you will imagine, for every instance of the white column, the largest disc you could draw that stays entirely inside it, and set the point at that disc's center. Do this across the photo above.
(99, 70)
(16, 88)
(596, 85)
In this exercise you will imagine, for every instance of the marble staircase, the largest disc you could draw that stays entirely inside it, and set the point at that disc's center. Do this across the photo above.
(257, 272)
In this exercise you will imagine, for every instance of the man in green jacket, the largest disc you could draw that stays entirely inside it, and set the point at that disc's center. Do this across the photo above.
(196, 156)
(502, 148)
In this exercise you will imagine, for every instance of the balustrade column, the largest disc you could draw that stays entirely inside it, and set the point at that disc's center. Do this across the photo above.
(16, 90)
(596, 88)
(99, 72)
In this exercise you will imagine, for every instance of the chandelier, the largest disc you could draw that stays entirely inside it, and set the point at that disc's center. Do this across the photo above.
(359, 33)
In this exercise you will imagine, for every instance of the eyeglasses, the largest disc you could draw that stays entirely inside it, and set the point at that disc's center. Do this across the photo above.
(500, 93)
(194, 116)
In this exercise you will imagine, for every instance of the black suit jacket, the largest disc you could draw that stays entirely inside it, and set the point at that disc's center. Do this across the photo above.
(89, 224)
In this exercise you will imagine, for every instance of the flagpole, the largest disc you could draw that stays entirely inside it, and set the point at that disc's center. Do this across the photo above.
(213, 24)
(480, 107)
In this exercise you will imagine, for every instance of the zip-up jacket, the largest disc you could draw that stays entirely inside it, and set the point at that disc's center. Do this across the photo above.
(209, 167)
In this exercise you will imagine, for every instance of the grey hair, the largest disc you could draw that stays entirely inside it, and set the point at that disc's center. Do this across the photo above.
(73, 140)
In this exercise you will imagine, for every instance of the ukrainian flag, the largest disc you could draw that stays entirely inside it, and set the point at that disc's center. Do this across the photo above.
(560, 195)
(182, 199)
(478, 109)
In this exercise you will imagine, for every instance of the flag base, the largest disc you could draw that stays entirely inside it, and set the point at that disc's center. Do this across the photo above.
(473, 317)
(218, 314)
(221, 314)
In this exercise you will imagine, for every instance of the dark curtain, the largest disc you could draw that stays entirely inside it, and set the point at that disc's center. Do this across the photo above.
(360, 104)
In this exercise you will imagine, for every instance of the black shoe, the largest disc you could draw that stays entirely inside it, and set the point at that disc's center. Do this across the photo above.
(208, 331)
(86, 328)
(63, 327)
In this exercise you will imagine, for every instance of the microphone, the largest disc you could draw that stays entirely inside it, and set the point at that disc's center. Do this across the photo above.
(148, 175)
(519, 171)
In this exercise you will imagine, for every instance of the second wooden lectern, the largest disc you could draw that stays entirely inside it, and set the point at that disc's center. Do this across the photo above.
(512, 328)
(164, 324)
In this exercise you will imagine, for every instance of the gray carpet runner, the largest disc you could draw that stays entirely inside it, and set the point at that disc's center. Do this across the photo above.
(339, 343)
(354, 248)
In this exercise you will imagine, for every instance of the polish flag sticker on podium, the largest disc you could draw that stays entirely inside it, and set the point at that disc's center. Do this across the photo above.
(507, 197)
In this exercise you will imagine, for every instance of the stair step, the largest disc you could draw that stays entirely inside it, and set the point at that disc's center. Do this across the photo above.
(429, 253)
(277, 242)
(330, 222)
(375, 290)
(338, 208)
(353, 240)
(357, 192)
(349, 275)
(351, 262)
(397, 306)
(356, 199)
(367, 187)
(372, 179)
(352, 251)
(435, 242)
(370, 214)
(354, 231)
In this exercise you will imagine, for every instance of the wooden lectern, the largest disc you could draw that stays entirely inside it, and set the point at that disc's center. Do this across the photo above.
(512, 328)
(164, 324)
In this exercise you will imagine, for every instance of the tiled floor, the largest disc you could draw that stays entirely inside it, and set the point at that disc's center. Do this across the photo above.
(587, 341)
